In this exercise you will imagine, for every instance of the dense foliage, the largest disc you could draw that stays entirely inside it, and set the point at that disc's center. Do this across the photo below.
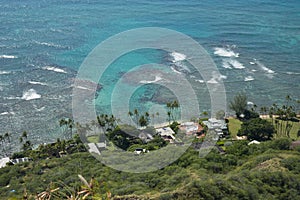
(257, 129)
(269, 170)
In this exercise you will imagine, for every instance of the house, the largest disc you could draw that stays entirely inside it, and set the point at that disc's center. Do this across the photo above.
(93, 148)
(101, 145)
(214, 123)
(166, 133)
(191, 128)
(218, 125)
(145, 137)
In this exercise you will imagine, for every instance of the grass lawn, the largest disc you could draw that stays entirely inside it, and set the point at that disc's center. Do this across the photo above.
(234, 125)
(93, 139)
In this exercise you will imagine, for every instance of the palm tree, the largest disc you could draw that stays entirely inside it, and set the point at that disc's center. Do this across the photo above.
(143, 121)
(130, 114)
(136, 113)
(68, 124)
(169, 117)
(147, 116)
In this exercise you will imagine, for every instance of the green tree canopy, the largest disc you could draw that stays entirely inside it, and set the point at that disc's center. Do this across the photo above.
(239, 104)
(257, 129)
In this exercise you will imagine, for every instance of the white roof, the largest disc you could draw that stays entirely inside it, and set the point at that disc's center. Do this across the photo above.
(165, 131)
(3, 161)
(93, 148)
(101, 145)
(254, 142)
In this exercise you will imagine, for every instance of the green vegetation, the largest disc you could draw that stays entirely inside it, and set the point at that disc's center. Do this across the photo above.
(257, 129)
(267, 170)
(234, 126)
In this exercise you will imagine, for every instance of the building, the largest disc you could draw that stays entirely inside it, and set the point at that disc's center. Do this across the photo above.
(191, 128)
(166, 133)
(145, 137)
(218, 125)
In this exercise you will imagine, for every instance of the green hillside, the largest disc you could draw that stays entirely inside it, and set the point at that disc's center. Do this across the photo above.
(265, 171)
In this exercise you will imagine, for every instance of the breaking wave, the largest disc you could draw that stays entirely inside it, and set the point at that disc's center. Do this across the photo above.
(249, 78)
(8, 56)
(55, 69)
(30, 95)
(225, 52)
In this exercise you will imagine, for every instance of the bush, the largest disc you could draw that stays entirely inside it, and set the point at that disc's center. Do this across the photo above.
(281, 144)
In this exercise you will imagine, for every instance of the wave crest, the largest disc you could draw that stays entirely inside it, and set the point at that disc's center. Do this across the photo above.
(30, 95)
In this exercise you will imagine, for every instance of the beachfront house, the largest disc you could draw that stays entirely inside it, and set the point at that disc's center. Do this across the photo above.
(218, 125)
(145, 137)
(191, 128)
(166, 133)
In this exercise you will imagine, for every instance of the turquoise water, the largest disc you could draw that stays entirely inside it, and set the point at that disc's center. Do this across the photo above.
(255, 45)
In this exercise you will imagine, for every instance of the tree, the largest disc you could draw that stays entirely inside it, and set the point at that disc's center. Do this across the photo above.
(68, 124)
(136, 114)
(27, 145)
(257, 129)
(239, 104)
(172, 110)
(143, 121)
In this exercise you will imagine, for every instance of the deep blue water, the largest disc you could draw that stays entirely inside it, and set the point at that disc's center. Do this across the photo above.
(262, 37)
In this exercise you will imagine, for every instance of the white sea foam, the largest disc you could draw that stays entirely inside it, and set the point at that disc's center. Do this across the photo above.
(30, 95)
(226, 64)
(55, 69)
(249, 78)
(83, 88)
(225, 52)
(7, 113)
(36, 83)
(50, 44)
(174, 70)
(236, 64)
(292, 73)
(200, 81)
(8, 56)
(177, 56)
(4, 72)
(264, 68)
(157, 78)
(215, 79)
(212, 81)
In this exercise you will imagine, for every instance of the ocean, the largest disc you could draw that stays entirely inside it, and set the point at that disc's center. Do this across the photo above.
(255, 45)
